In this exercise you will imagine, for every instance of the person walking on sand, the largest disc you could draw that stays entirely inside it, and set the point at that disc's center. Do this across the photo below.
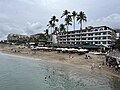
(107, 57)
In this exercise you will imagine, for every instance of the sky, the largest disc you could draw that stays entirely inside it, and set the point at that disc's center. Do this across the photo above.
(31, 16)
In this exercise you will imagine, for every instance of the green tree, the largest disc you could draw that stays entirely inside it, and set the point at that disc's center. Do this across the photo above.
(65, 13)
(117, 44)
(56, 31)
(74, 14)
(52, 24)
(46, 32)
(68, 21)
(54, 20)
(62, 28)
(81, 17)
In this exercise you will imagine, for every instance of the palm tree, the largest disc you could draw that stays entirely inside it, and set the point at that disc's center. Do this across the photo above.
(46, 33)
(56, 31)
(68, 21)
(52, 24)
(54, 20)
(81, 17)
(74, 14)
(61, 30)
(65, 13)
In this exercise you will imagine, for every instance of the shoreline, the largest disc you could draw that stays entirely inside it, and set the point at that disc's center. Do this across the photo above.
(78, 61)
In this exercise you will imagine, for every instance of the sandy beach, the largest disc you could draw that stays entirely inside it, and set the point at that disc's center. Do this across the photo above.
(71, 59)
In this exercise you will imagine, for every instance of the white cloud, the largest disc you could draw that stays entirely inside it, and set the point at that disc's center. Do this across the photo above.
(16, 13)
(32, 28)
(6, 28)
(112, 20)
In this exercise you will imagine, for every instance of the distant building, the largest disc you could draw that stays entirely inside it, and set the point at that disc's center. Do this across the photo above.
(17, 37)
(101, 35)
(117, 35)
(39, 38)
(54, 39)
(51, 39)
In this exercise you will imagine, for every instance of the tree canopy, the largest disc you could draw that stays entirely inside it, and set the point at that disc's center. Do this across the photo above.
(117, 44)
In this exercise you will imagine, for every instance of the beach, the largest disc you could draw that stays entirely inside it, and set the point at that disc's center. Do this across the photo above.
(28, 73)
(65, 58)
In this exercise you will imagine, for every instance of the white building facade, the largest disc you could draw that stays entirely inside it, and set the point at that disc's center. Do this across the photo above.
(117, 35)
(102, 35)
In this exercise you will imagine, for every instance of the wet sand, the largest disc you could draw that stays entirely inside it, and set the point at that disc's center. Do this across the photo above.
(71, 59)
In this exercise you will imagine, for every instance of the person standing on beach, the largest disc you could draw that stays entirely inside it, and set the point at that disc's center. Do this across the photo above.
(107, 57)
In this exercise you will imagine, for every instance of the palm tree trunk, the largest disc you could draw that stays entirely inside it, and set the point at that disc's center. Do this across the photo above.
(81, 33)
(74, 31)
(51, 35)
(67, 34)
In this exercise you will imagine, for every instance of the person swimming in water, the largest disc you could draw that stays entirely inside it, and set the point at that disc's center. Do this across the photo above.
(45, 78)
(49, 76)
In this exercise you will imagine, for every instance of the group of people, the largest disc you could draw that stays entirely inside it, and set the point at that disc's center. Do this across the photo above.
(112, 62)
(88, 57)
(46, 77)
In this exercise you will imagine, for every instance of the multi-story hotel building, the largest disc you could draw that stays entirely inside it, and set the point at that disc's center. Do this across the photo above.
(102, 35)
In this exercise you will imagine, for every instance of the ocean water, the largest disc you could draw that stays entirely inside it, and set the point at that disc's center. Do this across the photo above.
(21, 73)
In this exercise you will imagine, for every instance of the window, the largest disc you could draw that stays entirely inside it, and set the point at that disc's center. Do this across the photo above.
(96, 30)
(109, 37)
(77, 42)
(83, 34)
(83, 38)
(88, 38)
(101, 29)
(104, 37)
(72, 42)
(104, 33)
(104, 42)
(109, 33)
(95, 38)
(109, 42)
(91, 42)
(99, 33)
(72, 39)
(96, 42)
